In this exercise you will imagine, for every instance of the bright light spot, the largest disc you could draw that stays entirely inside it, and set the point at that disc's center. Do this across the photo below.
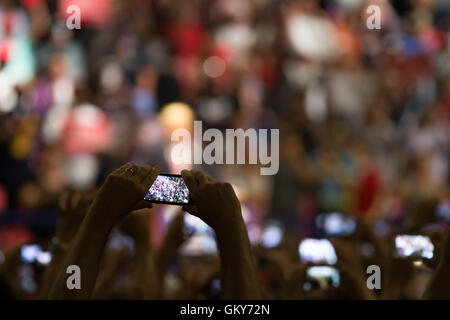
(82, 170)
(29, 252)
(418, 263)
(214, 67)
(272, 237)
(44, 257)
(111, 77)
(176, 115)
(8, 96)
(317, 251)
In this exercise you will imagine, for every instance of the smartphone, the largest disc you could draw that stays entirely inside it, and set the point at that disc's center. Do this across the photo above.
(272, 234)
(31, 253)
(322, 277)
(169, 189)
(317, 251)
(335, 224)
(413, 246)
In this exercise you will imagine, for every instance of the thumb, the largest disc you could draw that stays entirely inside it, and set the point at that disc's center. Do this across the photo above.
(142, 204)
(191, 209)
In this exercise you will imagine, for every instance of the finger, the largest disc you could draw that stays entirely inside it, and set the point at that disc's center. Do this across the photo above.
(149, 171)
(190, 181)
(191, 209)
(200, 177)
(142, 172)
(229, 188)
(122, 168)
(208, 178)
(132, 170)
(150, 178)
(142, 204)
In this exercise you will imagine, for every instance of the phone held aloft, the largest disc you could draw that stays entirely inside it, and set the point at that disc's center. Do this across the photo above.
(169, 189)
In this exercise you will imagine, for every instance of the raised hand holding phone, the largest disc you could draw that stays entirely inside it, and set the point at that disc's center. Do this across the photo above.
(123, 192)
(217, 205)
(215, 202)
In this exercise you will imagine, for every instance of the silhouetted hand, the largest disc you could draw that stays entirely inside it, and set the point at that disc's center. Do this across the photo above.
(217, 205)
(124, 191)
(73, 207)
(353, 283)
(214, 202)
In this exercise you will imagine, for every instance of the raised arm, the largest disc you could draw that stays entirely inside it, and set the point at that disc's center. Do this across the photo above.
(217, 205)
(72, 207)
(144, 278)
(121, 193)
(172, 240)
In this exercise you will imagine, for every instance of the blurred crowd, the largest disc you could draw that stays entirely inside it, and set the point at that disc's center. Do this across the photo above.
(364, 115)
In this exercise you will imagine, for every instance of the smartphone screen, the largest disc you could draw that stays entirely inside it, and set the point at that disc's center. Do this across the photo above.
(413, 246)
(335, 224)
(317, 251)
(169, 189)
(321, 277)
